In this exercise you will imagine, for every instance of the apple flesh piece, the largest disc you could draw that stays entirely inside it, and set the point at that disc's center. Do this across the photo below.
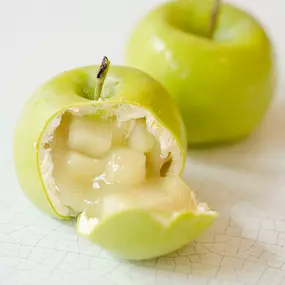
(82, 166)
(223, 85)
(140, 138)
(121, 131)
(89, 137)
(125, 166)
(160, 196)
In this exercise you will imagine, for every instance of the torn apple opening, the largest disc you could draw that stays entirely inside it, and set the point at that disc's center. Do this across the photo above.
(102, 160)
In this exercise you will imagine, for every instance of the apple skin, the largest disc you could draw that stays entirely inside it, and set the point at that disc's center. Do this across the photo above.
(223, 86)
(70, 89)
(148, 238)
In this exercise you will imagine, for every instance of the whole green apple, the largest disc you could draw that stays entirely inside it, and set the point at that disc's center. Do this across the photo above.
(106, 149)
(222, 81)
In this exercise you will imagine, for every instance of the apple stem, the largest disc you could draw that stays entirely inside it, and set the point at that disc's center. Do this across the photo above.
(214, 15)
(101, 76)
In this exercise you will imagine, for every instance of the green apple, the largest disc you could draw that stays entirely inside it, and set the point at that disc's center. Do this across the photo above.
(106, 149)
(222, 79)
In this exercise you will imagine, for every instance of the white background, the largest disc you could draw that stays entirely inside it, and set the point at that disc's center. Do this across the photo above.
(245, 182)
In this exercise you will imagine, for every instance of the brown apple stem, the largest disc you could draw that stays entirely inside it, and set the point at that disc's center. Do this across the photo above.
(214, 15)
(101, 76)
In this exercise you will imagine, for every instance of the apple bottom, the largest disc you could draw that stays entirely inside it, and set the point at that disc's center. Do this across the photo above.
(104, 165)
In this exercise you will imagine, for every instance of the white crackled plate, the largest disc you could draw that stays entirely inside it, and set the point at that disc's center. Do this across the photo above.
(244, 182)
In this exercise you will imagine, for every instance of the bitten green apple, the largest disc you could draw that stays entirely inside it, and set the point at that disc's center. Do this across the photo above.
(217, 63)
(112, 157)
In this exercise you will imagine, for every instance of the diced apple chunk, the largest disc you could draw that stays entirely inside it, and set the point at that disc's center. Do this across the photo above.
(125, 166)
(89, 136)
(161, 196)
(82, 166)
(72, 193)
(182, 197)
(121, 131)
(140, 138)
